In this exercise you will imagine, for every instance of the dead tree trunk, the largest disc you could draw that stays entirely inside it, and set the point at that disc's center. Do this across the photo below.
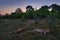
(51, 21)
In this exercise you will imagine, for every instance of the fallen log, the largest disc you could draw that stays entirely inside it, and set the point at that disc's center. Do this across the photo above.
(19, 30)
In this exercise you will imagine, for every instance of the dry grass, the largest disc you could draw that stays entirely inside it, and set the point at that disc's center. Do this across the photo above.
(9, 25)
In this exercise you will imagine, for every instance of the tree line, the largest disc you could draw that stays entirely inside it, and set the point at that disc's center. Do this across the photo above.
(44, 12)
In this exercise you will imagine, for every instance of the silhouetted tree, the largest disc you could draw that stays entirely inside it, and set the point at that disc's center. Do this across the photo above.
(29, 8)
(0, 17)
(18, 10)
(29, 11)
(13, 15)
(6, 16)
(36, 16)
(55, 7)
(43, 11)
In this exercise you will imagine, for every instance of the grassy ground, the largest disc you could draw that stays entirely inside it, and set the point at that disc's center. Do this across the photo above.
(10, 25)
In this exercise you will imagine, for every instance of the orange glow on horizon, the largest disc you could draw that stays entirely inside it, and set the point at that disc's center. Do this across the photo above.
(4, 11)
(24, 10)
(9, 10)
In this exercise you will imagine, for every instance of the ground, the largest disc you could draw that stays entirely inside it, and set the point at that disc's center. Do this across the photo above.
(10, 25)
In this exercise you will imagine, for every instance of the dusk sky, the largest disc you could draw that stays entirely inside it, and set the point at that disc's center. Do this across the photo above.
(8, 6)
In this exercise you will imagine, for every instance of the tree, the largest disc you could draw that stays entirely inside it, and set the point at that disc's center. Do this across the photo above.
(0, 17)
(6, 16)
(43, 11)
(13, 15)
(36, 16)
(52, 14)
(55, 7)
(29, 11)
(29, 8)
(23, 17)
(18, 10)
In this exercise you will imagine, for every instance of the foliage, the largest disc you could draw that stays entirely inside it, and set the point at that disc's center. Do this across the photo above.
(30, 13)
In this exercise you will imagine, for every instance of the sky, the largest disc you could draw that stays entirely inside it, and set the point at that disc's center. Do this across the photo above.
(8, 6)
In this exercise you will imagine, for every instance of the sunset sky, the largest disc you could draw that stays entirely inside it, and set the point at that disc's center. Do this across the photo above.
(8, 6)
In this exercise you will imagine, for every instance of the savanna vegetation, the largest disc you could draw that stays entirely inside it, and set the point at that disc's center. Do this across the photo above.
(47, 17)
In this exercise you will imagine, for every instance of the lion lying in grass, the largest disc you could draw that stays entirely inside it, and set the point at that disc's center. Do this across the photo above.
(41, 31)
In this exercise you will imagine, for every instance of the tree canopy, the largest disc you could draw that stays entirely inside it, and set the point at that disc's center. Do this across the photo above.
(30, 13)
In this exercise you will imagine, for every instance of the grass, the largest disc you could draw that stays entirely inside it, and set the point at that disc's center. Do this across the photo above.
(10, 25)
